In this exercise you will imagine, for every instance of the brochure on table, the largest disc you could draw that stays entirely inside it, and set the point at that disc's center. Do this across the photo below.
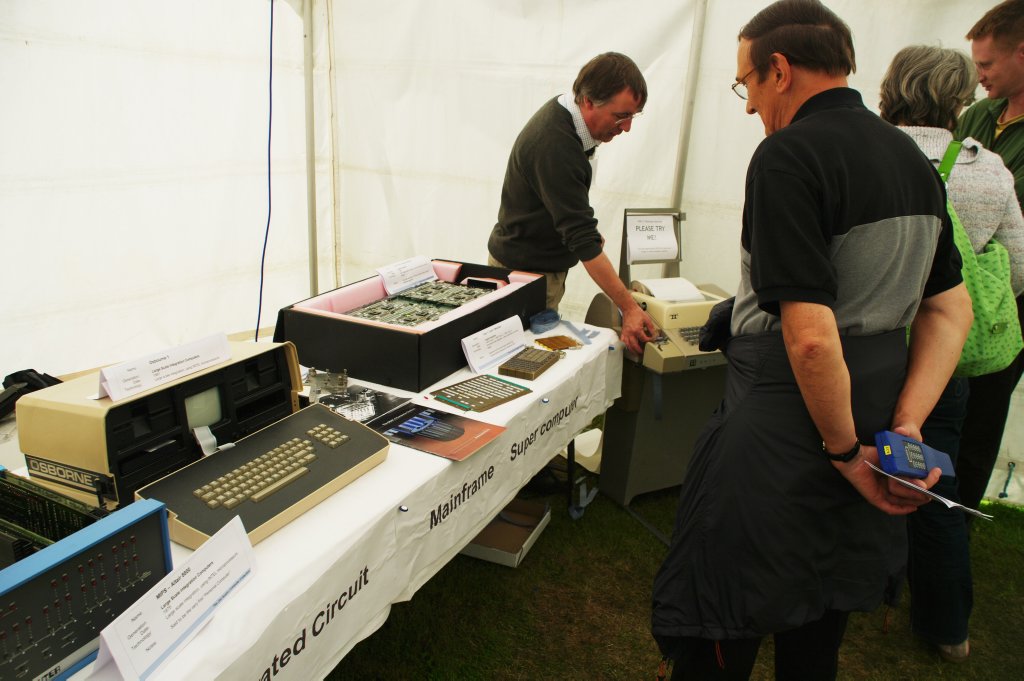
(494, 344)
(436, 432)
(148, 634)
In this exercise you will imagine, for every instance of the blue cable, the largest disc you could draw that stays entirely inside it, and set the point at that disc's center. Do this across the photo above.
(270, 119)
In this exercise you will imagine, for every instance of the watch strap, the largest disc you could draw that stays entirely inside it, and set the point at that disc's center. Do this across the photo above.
(843, 458)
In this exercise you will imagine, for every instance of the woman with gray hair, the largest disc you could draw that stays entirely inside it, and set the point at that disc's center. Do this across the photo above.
(923, 92)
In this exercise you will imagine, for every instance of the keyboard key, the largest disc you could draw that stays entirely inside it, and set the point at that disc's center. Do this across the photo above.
(282, 482)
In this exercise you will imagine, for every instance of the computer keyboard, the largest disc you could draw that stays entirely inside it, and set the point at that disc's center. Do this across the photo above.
(268, 478)
(690, 334)
(264, 475)
(529, 363)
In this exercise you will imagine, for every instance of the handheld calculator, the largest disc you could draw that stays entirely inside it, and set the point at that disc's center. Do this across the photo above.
(905, 456)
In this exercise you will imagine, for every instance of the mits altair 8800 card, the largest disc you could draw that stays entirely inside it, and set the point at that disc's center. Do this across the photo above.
(902, 455)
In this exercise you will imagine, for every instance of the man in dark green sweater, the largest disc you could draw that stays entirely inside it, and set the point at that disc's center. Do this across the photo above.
(545, 221)
(997, 47)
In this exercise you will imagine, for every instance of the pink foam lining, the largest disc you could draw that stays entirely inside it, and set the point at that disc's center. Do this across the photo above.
(446, 271)
(339, 301)
(522, 277)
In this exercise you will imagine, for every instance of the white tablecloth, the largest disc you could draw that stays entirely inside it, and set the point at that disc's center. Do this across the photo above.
(327, 580)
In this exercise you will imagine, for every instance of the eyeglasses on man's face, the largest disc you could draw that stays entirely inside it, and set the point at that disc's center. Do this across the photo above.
(740, 86)
(621, 118)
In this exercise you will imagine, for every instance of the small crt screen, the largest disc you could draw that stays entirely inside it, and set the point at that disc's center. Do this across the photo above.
(203, 409)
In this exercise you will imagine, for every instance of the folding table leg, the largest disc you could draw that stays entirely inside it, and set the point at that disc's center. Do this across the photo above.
(585, 497)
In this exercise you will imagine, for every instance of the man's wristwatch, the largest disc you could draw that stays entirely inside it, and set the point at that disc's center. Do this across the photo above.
(843, 458)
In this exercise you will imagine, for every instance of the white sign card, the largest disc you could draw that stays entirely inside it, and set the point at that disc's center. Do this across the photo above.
(143, 373)
(405, 274)
(651, 238)
(486, 348)
(156, 626)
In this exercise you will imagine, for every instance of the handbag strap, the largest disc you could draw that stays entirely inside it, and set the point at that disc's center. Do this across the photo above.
(960, 238)
(952, 151)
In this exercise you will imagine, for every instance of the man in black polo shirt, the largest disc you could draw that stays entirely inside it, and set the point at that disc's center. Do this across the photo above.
(545, 221)
(783, 528)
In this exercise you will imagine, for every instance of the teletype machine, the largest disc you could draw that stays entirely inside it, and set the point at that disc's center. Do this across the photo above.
(668, 393)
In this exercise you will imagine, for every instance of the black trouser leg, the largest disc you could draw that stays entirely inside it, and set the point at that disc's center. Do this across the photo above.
(939, 565)
(987, 409)
(811, 652)
(701, 659)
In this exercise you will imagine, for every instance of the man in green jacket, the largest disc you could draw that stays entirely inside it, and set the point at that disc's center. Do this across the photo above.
(997, 46)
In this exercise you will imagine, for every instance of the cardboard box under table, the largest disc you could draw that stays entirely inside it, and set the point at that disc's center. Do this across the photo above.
(405, 357)
(508, 538)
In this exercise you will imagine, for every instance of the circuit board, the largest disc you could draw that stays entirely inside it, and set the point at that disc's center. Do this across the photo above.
(529, 363)
(423, 303)
(480, 393)
(58, 599)
(33, 517)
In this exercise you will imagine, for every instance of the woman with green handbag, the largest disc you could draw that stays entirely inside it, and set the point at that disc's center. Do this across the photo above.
(923, 92)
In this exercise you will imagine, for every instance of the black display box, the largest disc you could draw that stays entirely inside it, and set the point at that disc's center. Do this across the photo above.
(408, 358)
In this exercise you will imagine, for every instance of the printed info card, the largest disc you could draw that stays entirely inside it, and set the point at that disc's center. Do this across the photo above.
(149, 633)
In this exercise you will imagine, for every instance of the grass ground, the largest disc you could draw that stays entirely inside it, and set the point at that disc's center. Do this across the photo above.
(578, 607)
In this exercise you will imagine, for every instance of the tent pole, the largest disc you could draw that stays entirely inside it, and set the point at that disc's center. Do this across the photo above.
(307, 45)
(690, 95)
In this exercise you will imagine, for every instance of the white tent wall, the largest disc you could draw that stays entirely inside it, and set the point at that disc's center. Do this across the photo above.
(133, 194)
(429, 97)
(133, 144)
(133, 175)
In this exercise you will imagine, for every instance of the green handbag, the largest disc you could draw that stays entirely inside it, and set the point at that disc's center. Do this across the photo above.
(995, 336)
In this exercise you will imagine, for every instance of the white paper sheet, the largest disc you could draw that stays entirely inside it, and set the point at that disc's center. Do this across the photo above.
(674, 289)
(933, 495)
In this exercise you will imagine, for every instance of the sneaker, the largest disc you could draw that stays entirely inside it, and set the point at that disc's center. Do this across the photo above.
(956, 652)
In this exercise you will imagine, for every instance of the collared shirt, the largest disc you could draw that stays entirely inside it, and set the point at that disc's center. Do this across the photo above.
(824, 208)
(1003, 126)
(589, 143)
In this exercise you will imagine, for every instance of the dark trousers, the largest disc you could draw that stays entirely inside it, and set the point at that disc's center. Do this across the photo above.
(983, 427)
(939, 564)
(808, 653)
